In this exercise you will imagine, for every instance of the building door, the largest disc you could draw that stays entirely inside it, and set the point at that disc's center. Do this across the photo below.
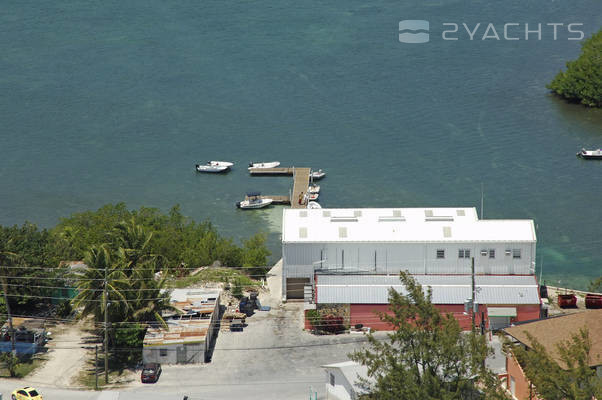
(181, 355)
(294, 287)
(497, 323)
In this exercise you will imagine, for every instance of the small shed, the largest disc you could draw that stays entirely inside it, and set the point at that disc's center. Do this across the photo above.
(343, 380)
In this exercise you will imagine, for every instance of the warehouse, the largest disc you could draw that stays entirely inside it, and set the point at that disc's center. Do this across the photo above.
(190, 333)
(385, 241)
(502, 300)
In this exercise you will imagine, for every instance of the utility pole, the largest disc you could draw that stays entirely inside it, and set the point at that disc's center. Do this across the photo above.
(474, 292)
(106, 330)
(10, 318)
(96, 368)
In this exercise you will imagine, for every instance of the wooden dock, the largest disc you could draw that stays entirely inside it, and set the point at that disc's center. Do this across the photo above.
(300, 185)
(272, 171)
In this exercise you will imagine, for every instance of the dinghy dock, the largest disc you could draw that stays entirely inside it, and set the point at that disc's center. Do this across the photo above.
(297, 198)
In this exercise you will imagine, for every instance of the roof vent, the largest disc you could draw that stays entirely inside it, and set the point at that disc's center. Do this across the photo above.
(357, 213)
(447, 231)
(461, 213)
(303, 213)
(326, 213)
(391, 219)
(397, 213)
(342, 232)
(343, 219)
(439, 218)
(428, 213)
(303, 232)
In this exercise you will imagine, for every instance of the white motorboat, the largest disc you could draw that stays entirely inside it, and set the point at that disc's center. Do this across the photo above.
(272, 164)
(210, 168)
(319, 174)
(226, 164)
(314, 189)
(253, 201)
(313, 196)
(313, 204)
(590, 154)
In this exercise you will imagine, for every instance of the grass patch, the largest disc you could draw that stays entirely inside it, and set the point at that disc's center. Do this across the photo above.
(225, 275)
(24, 368)
(117, 377)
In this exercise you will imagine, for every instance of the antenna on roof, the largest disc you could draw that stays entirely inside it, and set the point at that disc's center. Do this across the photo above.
(481, 200)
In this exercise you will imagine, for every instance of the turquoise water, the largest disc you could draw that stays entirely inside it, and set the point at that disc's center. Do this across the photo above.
(116, 101)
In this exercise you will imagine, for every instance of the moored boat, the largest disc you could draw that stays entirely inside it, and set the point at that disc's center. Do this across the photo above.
(313, 205)
(272, 164)
(253, 201)
(226, 164)
(313, 196)
(597, 154)
(211, 168)
(319, 174)
(313, 189)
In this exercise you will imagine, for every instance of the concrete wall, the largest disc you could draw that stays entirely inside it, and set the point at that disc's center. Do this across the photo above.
(341, 390)
(301, 259)
(175, 353)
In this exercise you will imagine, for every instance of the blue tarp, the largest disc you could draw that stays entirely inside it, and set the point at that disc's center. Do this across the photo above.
(21, 347)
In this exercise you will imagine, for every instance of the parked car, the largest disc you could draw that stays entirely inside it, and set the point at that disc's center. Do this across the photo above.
(27, 393)
(150, 373)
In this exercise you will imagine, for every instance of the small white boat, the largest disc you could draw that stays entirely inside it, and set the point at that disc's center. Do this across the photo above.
(314, 189)
(313, 196)
(319, 174)
(211, 168)
(272, 164)
(314, 205)
(254, 200)
(226, 164)
(590, 154)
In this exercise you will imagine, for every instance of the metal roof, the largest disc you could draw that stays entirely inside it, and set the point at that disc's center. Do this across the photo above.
(446, 289)
(409, 225)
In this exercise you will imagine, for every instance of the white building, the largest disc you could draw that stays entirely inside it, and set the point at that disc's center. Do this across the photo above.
(343, 380)
(190, 334)
(385, 241)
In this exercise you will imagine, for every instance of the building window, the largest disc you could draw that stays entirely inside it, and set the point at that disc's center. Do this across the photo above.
(464, 253)
(508, 252)
(491, 253)
(484, 252)
(440, 253)
(516, 253)
(331, 379)
(163, 352)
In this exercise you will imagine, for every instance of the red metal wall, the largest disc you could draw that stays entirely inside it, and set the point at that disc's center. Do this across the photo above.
(366, 314)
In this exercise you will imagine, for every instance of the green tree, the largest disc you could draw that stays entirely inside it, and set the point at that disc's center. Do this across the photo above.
(91, 295)
(582, 80)
(11, 362)
(574, 380)
(255, 254)
(427, 356)
(596, 285)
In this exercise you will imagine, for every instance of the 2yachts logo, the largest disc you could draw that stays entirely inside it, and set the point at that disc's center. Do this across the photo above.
(417, 31)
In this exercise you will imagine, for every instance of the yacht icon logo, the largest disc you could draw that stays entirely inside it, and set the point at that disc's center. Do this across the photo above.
(413, 31)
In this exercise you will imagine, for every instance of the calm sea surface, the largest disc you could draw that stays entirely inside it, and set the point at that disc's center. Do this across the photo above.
(116, 101)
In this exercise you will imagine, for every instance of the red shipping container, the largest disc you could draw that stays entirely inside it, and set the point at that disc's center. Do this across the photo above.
(593, 300)
(567, 300)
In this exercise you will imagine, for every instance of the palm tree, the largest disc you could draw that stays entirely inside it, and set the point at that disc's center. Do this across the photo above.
(91, 284)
